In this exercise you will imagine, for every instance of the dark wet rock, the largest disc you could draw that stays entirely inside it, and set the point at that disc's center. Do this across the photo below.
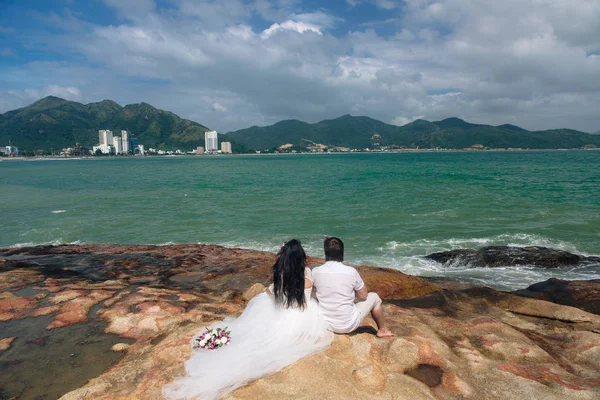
(503, 256)
(41, 341)
(581, 294)
(46, 365)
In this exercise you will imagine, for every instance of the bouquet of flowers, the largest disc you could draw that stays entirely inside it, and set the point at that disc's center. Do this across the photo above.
(211, 339)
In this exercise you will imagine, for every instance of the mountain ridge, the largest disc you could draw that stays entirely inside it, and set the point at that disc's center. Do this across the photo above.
(53, 122)
(454, 133)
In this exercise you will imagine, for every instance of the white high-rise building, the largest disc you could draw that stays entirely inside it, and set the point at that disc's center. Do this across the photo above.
(226, 147)
(106, 137)
(118, 144)
(125, 141)
(210, 141)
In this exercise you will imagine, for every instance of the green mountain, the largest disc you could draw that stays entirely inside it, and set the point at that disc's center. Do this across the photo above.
(364, 132)
(54, 123)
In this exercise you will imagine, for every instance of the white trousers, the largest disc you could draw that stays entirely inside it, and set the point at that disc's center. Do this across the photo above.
(366, 306)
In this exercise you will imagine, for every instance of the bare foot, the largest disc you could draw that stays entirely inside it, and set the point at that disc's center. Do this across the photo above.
(384, 333)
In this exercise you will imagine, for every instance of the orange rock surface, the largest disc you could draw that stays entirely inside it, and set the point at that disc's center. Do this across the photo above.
(448, 344)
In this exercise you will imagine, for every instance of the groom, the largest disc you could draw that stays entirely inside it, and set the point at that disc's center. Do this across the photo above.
(336, 286)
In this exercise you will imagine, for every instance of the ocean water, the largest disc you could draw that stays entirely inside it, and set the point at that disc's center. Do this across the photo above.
(390, 209)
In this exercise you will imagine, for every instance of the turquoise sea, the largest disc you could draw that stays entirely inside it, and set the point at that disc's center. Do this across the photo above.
(390, 209)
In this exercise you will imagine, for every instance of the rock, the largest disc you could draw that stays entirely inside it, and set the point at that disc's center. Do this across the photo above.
(65, 295)
(120, 347)
(369, 378)
(390, 284)
(581, 294)
(502, 256)
(6, 342)
(41, 341)
(76, 307)
(15, 279)
(471, 343)
(7, 295)
(15, 307)
(431, 375)
(253, 291)
(459, 351)
(545, 309)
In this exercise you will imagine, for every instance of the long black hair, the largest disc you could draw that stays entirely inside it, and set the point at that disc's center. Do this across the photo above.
(288, 275)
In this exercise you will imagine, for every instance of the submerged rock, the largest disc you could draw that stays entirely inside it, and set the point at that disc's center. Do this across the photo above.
(503, 256)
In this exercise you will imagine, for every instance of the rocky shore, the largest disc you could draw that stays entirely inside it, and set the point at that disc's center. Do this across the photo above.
(114, 322)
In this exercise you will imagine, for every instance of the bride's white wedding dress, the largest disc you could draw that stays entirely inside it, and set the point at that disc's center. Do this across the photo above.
(264, 339)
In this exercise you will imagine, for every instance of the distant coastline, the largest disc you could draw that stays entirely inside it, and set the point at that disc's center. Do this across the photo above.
(404, 151)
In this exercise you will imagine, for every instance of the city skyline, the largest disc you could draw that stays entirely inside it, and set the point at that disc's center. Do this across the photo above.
(111, 144)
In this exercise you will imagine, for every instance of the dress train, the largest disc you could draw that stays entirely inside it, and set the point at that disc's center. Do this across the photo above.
(264, 339)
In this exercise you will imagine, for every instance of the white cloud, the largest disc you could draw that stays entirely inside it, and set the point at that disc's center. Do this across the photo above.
(520, 61)
(400, 120)
(68, 93)
(386, 4)
(132, 9)
(304, 22)
(275, 10)
(209, 14)
(318, 18)
(292, 26)
(218, 107)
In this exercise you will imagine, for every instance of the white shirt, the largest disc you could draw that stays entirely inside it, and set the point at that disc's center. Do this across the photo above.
(335, 285)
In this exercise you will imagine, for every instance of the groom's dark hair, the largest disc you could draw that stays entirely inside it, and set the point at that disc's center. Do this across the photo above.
(334, 249)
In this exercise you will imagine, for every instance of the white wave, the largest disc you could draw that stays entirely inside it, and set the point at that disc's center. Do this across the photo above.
(502, 278)
(250, 245)
(435, 213)
(54, 242)
(313, 244)
(59, 211)
(408, 257)
(426, 246)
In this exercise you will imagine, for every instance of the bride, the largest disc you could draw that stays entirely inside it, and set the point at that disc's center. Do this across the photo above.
(277, 328)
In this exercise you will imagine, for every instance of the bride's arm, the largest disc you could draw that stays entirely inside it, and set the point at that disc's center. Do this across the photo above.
(269, 290)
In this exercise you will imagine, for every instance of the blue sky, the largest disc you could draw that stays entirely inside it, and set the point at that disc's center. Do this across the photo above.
(236, 63)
